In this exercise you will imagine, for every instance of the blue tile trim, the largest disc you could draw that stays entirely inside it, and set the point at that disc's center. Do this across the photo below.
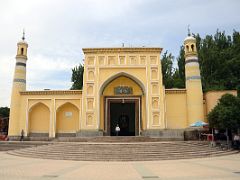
(191, 60)
(21, 64)
(19, 80)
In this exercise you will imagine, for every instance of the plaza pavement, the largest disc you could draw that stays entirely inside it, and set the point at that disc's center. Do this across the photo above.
(16, 168)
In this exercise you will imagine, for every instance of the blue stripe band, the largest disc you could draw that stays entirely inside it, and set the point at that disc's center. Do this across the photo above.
(19, 80)
(191, 60)
(21, 64)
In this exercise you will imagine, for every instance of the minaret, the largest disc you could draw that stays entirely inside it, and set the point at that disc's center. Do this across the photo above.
(19, 84)
(193, 81)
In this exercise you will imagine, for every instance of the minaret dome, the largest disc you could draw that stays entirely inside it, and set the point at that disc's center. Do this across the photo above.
(190, 46)
(22, 48)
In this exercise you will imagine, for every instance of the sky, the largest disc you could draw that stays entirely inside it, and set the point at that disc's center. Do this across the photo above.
(57, 30)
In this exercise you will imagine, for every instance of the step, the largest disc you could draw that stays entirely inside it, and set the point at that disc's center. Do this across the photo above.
(118, 151)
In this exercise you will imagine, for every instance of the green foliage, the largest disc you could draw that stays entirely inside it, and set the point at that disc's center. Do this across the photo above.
(173, 78)
(219, 59)
(4, 111)
(238, 91)
(226, 114)
(179, 75)
(77, 77)
(167, 69)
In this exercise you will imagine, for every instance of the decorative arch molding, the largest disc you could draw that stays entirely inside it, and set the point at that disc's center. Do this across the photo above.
(61, 105)
(67, 118)
(38, 119)
(36, 104)
(122, 74)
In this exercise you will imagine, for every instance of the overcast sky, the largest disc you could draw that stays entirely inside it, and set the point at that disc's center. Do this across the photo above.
(57, 30)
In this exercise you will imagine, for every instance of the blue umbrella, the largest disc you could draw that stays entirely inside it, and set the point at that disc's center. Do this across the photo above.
(198, 124)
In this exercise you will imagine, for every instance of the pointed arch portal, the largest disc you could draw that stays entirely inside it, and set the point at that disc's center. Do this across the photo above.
(124, 110)
(122, 74)
(39, 119)
(67, 118)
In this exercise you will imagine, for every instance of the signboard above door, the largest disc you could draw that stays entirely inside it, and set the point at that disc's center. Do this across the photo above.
(123, 90)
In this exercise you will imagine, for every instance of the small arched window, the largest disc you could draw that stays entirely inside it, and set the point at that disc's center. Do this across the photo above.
(187, 48)
(22, 50)
(192, 47)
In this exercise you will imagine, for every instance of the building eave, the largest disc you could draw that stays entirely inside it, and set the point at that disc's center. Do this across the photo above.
(52, 92)
(175, 91)
(123, 50)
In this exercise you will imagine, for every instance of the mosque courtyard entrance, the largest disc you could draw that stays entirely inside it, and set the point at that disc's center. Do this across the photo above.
(125, 114)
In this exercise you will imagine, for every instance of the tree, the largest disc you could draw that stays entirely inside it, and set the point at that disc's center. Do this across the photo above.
(226, 115)
(77, 77)
(179, 74)
(167, 69)
(4, 111)
(238, 91)
(219, 58)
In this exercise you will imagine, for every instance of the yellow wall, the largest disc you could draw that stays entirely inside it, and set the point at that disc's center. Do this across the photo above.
(212, 97)
(39, 119)
(122, 81)
(194, 101)
(105, 69)
(137, 91)
(67, 119)
(141, 64)
(176, 109)
(52, 100)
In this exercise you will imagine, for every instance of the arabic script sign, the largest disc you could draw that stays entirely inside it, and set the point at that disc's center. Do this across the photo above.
(123, 90)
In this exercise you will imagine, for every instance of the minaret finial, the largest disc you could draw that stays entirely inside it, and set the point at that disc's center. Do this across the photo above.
(23, 37)
(189, 33)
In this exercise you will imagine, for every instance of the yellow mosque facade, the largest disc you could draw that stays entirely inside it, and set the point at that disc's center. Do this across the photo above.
(121, 87)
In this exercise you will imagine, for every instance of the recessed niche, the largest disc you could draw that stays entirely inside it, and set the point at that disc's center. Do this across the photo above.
(154, 74)
(133, 60)
(90, 103)
(156, 119)
(90, 60)
(155, 103)
(90, 75)
(89, 120)
(155, 89)
(153, 60)
(143, 60)
(111, 60)
(122, 60)
(101, 60)
(90, 89)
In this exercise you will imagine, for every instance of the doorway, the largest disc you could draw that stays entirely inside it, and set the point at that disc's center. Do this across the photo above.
(125, 114)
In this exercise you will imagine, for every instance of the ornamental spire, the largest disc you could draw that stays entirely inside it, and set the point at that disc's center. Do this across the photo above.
(23, 37)
(189, 33)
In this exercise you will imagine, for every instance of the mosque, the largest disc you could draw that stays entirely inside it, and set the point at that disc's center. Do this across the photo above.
(121, 86)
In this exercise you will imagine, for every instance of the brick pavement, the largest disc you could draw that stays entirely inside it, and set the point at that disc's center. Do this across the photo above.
(225, 167)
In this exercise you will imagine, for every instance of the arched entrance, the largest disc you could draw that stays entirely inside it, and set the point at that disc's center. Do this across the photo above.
(39, 119)
(67, 119)
(124, 112)
(121, 100)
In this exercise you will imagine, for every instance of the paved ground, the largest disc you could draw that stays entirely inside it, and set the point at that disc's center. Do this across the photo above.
(225, 167)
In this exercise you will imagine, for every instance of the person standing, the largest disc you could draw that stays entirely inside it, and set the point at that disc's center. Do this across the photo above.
(22, 135)
(117, 129)
(236, 141)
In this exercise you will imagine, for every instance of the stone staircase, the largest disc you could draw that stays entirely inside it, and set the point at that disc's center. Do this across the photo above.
(108, 139)
(12, 145)
(121, 151)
